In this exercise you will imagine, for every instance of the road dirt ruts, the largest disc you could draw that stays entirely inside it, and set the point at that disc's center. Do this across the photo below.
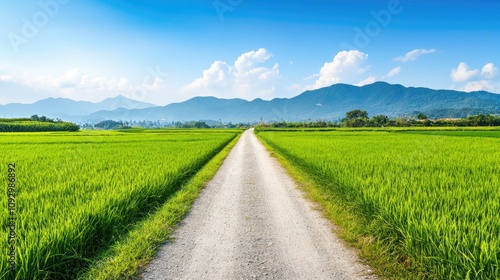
(251, 222)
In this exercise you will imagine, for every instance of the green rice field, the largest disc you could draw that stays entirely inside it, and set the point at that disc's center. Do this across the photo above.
(433, 197)
(77, 193)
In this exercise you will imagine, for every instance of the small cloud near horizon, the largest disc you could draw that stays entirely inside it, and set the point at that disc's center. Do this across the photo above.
(346, 67)
(485, 77)
(413, 55)
(367, 81)
(393, 72)
(462, 73)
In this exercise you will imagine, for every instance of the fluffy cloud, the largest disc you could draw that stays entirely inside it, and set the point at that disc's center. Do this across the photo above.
(462, 73)
(245, 78)
(367, 81)
(215, 76)
(479, 85)
(75, 79)
(414, 54)
(7, 78)
(489, 71)
(79, 85)
(70, 79)
(393, 72)
(346, 66)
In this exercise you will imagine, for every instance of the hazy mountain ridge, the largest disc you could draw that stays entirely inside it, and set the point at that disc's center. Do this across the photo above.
(69, 109)
(330, 103)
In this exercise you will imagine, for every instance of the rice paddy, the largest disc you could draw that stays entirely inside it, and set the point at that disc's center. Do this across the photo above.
(434, 197)
(76, 193)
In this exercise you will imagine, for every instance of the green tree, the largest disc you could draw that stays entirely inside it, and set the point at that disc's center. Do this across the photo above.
(201, 124)
(379, 120)
(354, 114)
(109, 124)
(356, 118)
(421, 116)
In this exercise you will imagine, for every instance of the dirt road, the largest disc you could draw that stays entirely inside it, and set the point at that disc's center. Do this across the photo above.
(251, 222)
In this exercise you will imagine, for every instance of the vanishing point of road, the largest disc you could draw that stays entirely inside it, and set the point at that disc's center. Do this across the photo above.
(251, 222)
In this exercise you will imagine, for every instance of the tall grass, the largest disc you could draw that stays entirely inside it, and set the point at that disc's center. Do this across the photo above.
(78, 192)
(434, 198)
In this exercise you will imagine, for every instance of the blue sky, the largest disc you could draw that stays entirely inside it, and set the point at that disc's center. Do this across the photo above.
(169, 51)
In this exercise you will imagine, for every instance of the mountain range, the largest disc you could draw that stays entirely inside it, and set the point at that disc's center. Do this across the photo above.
(68, 109)
(329, 103)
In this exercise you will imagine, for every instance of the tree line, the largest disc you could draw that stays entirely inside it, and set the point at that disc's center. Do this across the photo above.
(111, 124)
(360, 118)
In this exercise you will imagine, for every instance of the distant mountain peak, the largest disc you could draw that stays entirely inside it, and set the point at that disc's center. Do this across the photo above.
(119, 97)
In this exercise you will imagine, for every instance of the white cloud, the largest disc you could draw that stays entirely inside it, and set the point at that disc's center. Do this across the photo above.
(414, 54)
(75, 80)
(70, 79)
(367, 81)
(487, 83)
(393, 72)
(479, 85)
(246, 78)
(462, 73)
(489, 71)
(310, 77)
(7, 78)
(79, 85)
(216, 75)
(246, 61)
(345, 67)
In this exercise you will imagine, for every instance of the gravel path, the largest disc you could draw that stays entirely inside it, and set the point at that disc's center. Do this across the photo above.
(251, 222)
